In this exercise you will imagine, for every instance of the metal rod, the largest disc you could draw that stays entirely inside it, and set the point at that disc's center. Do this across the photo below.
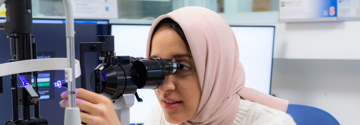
(26, 111)
(14, 97)
(1, 85)
(70, 43)
(72, 84)
(72, 113)
(35, 76)
(36, 106)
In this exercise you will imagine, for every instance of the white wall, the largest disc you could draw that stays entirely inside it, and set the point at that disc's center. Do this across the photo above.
(325, 40)
(318, 64)
(235, 6)
(331, 85)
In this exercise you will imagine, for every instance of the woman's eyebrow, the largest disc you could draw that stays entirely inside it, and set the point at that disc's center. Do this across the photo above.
(154, 56)
(182, 56)
(175, 56)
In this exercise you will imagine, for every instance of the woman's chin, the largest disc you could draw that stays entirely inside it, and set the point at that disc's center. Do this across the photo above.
(173, 120)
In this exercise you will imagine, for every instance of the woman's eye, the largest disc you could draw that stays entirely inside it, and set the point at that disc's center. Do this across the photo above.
(184, 67)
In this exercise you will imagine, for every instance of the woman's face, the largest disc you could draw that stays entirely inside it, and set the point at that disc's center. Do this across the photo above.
(179, 95)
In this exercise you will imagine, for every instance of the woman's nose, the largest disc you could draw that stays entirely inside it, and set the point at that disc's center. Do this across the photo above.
(169, 83)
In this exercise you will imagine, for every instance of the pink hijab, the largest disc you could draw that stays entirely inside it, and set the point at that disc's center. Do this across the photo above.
(216, 56)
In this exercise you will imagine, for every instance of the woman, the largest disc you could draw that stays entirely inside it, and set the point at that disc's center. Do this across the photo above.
(209, 89)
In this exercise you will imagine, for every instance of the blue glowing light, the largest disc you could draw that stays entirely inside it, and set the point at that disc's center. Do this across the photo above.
(24, 82)
(104, 75)
(58, 84)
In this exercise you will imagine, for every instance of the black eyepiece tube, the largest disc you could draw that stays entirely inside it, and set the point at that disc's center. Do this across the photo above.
(151, 73)
(121, 78)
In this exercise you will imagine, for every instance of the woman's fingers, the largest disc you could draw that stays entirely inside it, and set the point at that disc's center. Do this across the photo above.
(83, 105)
(86, 95)
(64, 94)
(98, 109)
(63, 103)
(89, 119)
(90, 116)
(91, 96)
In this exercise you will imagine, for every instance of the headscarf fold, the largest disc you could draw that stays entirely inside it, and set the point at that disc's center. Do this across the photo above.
(221, 76)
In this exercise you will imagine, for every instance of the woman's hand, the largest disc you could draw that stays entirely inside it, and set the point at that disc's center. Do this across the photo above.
(96, 109)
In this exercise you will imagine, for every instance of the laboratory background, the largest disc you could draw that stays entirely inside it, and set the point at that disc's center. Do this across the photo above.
(304, 51)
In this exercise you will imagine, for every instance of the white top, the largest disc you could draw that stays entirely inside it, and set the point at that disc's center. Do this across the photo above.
(249, 113)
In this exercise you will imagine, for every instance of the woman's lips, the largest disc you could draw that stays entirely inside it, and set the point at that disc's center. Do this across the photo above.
(170, 103)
